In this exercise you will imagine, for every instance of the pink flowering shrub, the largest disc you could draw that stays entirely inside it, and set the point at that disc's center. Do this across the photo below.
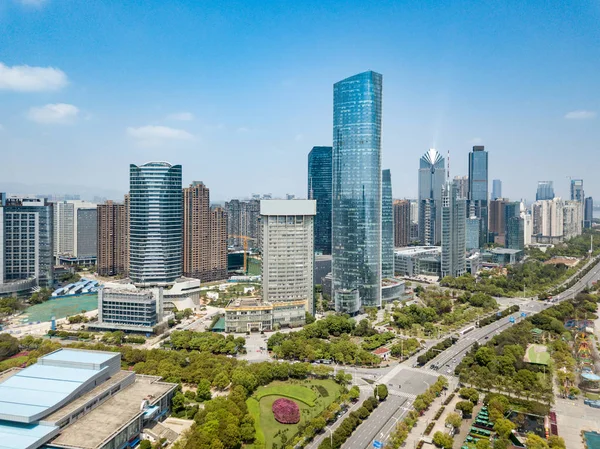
(286, 411)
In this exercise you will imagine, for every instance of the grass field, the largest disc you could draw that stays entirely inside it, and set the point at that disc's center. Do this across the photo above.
(310, 402)
(537, 354)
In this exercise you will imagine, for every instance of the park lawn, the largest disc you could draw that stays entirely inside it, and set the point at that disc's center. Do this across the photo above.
(261, 403)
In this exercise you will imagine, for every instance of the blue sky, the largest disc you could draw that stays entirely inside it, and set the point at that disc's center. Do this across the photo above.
(238, 92)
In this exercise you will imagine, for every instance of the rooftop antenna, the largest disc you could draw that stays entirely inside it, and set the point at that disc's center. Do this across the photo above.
(448, 173)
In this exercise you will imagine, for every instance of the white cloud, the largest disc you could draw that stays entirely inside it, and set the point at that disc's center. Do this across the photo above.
(181, 116)
(24, 78)
(155, 135)
(60, 113)
(580, 115)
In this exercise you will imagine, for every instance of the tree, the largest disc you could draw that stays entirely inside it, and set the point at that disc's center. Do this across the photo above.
(443, 440)
(309, 318)
(504, 427)
(354, 393)
(342, 378)
(9, 346)
(203, 393)
(502, 443)
(483, 444)
(382, 392)
(145, 444)
(454, 420)
(221, 381)
(466, 407)
(535, 442)
(556, 442)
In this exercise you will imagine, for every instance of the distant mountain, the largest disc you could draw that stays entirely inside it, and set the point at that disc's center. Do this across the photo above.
(85, 192)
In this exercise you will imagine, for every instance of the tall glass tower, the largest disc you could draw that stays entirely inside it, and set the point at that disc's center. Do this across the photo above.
(319, 188)
(432, 175)
(387, 226)
(577, 190)
(496, 189)
(545, 191)
(356, 218)
(478, 190)
(454, 219)
(156, 224)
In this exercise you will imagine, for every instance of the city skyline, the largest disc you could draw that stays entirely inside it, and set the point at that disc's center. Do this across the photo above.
(186, 100)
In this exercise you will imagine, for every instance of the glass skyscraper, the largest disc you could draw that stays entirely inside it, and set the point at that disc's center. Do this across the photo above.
(577, 190)
(387, 226)
(156, 223)
(356, 218)
(588, 212)
(319, 188)
(514, 235)
(432, 175)
(496, 189)
(478, 190)
(545, 191)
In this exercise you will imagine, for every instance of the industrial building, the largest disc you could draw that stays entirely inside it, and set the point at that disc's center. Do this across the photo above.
(79, 399)
(250, 314)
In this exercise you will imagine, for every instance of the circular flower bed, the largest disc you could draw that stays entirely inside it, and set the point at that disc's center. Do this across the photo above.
(286, 411)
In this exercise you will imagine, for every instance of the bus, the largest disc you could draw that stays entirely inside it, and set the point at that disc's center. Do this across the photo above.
(466, 331)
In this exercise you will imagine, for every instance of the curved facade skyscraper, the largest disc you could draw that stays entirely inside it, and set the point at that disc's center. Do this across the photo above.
(432, 176)
(356, 217)
(156, 223)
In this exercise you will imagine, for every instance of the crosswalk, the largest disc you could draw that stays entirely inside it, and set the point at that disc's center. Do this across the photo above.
(403, 394)
(422, 371)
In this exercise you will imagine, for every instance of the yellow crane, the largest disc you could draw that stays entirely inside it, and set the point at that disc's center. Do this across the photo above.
(245, 238)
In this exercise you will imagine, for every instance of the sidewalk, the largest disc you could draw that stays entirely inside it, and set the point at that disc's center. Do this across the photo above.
(416, 434)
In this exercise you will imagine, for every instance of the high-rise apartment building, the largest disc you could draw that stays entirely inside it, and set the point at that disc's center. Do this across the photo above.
(319, 189)
(155, 224)
(243, 220)
(64, 223)
(432, 176)
(548, 219)
(86, 234)
(69, 240)
(387, 226)
(545, 191)
(496, 189)
(514, 226)
(26, 240)
(454, 217)
(588, 212)
(402, 223)
(356, 217)
(287, 228)
(414, 220)
(577, 193)
(113, 238)
(527, 227)
(572, 219)
(204, 235)
(478, 190)
(463, 186)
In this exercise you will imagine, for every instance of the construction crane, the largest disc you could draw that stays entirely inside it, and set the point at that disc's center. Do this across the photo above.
(245, 238)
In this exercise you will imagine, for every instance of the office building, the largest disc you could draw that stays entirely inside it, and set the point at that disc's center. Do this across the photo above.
(288, 256)
(514, 236)
(527, 227)
(497, 220)
(577, 193)
(545, 191)
(356, 217)
(204, 235)
(319, 189)
(387, 226)
(496, 189)
(432, 175)
(322, 267)
(126, 308)
(454, 213)
(26, 244)
(253, 315)
(478, 190)
(155, 224)
(588, 212)
(87, 235)
(414, 220)
(64, 222)
(416, 261)
(463, 186)
(243, 221)
(75, 245)
(473, 231)
(80, 399)
(402, 223)
(113, 238)
(572, 219)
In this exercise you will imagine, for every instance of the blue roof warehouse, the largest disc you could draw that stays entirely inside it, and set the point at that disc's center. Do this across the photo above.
(78, 399)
